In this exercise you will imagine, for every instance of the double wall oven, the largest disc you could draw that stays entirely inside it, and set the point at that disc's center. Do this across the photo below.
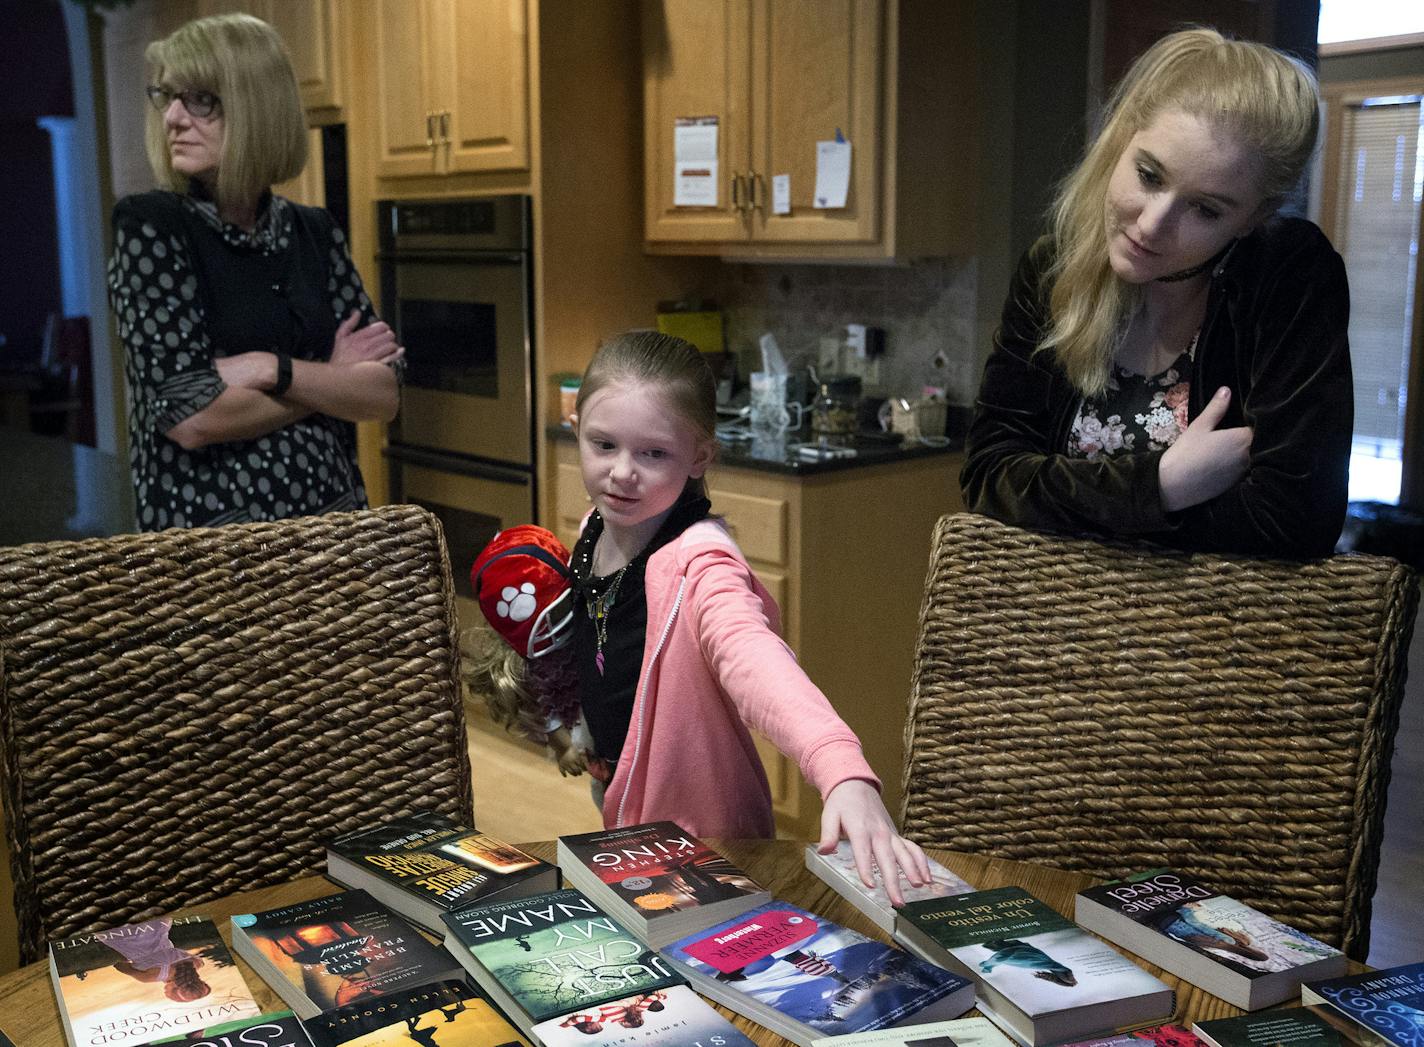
(456, 285)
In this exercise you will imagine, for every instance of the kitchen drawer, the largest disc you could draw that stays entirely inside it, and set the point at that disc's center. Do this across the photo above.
(570, 498)
(758, 524)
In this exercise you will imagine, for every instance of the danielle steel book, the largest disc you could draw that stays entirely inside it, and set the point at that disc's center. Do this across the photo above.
(1213, 941)
(275, 1029)
(838, 870)
(552, 954)
(336, 951)
(444, 1014)
(1039, 975)
(672, 1017)
(804, 977)
(1388, 1003)
(146, 981)
(961, 1032)
(1289, 1027)
(424, 865)
(658, 880)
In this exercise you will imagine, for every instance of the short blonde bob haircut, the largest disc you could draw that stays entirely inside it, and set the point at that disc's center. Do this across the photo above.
(243, 61)
(1269, 98)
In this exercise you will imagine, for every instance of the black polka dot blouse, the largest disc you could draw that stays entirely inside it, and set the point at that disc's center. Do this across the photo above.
(187, 288)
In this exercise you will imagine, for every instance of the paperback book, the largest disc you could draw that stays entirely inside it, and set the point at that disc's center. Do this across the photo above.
(672, 1017)
(276, 1029)
(551, 955)
(658, 880)
(961, 1032)
(425, 865)
(1387, 1003)
(145, 981)
(839, 871)
(1213, 941)
(1292, 1027)
(445, 1014)
(335, 951)
(1152, 1036)
(1039, 975)
(805, 977)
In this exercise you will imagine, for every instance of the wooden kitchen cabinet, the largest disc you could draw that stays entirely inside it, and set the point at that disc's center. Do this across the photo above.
(452, 86)
(849, 585)
(309, 28)
(895, 77)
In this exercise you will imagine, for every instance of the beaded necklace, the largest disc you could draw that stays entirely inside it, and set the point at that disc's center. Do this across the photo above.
(598, 609)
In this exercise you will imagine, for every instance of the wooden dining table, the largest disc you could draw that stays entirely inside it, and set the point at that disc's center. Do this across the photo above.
(29, 1014)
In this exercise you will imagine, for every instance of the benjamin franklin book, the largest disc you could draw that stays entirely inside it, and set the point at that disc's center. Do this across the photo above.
(1388, 1004)
(1040, 977)
(146, 981)
(1214, 941)
(804, 977)
(552, 954)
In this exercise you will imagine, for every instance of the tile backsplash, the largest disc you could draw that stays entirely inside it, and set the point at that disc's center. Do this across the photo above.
(926, 308)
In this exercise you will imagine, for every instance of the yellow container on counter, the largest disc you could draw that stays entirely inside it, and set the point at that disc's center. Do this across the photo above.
(703, 329)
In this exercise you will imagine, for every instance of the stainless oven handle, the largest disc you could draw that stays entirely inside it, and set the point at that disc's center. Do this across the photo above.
(451, 463)
(462, 257)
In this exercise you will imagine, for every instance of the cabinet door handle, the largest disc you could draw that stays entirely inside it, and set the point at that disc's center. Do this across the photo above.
(754, 193)
(445, 126)
(736, 192)
(430, 130)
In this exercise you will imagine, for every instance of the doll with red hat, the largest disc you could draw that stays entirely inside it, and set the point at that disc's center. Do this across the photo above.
(521, 580)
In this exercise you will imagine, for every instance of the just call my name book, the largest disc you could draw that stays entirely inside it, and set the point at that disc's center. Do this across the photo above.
(336, 951)
(1387, 1004)
(1213, 941)
(424, 865)
(444, 1014)
(657, 879)
(145, 981)
(552, 954)
(1040, 977)
(804, 977)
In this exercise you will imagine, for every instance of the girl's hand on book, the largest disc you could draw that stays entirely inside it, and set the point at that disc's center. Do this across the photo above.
(854, 810)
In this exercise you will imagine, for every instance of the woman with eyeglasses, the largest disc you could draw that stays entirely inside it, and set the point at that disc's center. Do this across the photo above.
(251, 346)
(1173, 361)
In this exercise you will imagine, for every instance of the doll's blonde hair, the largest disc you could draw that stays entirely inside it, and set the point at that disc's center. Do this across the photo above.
(1268, 98)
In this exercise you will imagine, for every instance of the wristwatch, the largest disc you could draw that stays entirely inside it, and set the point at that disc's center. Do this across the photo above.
(284, 375)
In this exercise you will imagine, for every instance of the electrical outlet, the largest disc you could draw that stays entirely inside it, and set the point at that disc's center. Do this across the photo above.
(828, 360)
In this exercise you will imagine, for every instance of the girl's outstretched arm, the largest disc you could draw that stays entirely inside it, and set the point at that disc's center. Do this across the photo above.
(853, 809)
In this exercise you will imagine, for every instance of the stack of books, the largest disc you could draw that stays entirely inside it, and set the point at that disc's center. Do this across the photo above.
(425, 865)
(657, 879)
(838, 870)
(1040, 977)
(1213, 941)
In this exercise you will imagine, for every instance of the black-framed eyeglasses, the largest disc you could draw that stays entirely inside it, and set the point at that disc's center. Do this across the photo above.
(197, 103)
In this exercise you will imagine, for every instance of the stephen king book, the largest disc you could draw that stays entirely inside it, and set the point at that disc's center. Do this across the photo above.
(657, 879)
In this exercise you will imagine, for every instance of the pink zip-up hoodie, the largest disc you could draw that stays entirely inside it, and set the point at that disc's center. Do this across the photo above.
(713, 665)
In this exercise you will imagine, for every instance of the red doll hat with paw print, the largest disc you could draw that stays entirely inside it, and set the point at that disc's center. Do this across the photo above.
(521, 580)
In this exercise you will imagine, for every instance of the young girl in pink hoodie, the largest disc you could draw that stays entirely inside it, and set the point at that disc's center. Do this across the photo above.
(675, 642)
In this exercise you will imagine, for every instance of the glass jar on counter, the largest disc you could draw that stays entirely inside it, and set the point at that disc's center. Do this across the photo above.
(833, 413)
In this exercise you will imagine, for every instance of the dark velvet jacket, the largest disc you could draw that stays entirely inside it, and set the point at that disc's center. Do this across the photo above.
(1274, 333)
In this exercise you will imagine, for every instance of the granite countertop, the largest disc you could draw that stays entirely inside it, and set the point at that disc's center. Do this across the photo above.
(784, 454)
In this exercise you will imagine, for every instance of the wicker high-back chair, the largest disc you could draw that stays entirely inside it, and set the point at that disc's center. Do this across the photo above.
(1111, 708)
(195, 712)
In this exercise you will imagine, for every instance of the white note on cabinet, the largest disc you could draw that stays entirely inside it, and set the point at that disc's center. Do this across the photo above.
(832, 174)
(694, 146)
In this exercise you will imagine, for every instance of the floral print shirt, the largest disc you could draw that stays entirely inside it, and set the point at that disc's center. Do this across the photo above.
(1136, 413)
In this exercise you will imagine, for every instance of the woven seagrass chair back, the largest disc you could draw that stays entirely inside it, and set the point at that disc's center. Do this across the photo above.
(196, 712)
(1110, 708)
